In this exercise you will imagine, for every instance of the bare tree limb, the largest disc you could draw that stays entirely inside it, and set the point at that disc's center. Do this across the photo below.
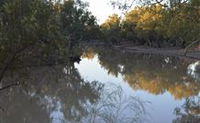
(187, 48)
(9, 86)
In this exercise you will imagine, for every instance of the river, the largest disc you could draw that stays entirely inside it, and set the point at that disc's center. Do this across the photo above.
(106, 86)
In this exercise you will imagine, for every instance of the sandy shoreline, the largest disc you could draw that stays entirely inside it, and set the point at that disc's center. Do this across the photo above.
(161, 51)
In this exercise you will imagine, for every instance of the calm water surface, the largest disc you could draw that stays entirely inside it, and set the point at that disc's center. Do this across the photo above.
(104, 87)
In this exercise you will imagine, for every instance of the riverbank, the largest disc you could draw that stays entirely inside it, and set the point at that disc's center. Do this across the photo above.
(177, 52)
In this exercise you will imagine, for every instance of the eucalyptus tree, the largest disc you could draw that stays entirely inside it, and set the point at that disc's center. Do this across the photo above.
(111, 28)
(26, 24)
(77, 21)
(46, 29)
(160, 22)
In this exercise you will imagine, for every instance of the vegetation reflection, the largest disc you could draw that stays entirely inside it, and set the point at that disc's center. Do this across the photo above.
(58, 94)
(189, 111)
(155, 74)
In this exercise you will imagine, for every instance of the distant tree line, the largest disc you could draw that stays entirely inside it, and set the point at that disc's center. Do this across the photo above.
(157, 24)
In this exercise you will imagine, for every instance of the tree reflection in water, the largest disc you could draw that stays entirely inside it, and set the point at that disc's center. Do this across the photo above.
(53, 94)
(189, 112)
(115, 107)
(194, 70)
(157, 75)
(152, 73)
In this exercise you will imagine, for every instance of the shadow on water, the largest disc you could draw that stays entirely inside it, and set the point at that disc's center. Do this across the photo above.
(58, 94)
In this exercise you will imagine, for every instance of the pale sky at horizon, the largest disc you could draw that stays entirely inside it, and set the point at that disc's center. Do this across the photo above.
(101, 9)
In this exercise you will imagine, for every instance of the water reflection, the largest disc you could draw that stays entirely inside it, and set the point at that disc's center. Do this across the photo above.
(155, 74)
(189, 112)
(61, 94)
(161, 77)
(48, 89)
(194, 70)
(58, 94)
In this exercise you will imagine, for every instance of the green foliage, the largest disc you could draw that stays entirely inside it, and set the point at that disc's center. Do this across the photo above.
(157, 25)
(41, 28)
(195, 2)
(77, 22)
(111, 28)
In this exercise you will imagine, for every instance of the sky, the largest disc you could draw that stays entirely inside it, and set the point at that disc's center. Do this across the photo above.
(101, 9)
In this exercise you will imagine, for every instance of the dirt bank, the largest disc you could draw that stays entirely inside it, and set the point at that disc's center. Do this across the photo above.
(177, 52)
